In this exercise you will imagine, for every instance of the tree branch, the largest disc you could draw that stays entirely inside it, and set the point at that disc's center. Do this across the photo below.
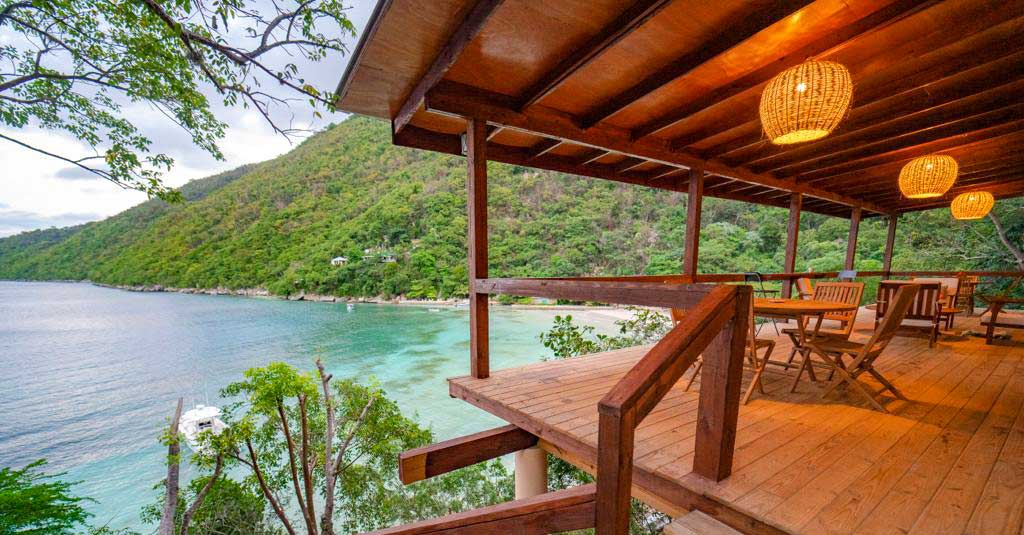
(173, 469)
(294, 469)
(1018, 255)
(266, 490)
(327, 519)
(351, 435)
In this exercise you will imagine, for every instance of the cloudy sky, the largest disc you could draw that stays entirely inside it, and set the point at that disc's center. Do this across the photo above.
(39, 192)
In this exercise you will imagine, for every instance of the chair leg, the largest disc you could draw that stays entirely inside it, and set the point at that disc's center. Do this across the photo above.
(800, 371)
(885, 382)
(860, 388)
(696, 372)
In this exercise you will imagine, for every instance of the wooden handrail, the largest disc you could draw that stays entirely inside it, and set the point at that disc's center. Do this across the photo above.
(716, 327)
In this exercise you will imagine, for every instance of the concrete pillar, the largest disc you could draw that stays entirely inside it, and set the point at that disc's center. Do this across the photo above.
(531, 472)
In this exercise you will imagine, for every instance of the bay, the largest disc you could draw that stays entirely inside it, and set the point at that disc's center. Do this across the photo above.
(90, 375)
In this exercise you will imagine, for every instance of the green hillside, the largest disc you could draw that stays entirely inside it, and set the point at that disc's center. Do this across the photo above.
(276, 225)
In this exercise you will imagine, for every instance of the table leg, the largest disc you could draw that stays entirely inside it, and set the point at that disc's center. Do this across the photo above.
(805, 352)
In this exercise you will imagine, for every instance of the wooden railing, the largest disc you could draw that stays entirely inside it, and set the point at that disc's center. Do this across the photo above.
(715, 327)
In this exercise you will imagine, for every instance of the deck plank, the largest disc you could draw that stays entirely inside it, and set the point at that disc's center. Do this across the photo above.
(949, 459)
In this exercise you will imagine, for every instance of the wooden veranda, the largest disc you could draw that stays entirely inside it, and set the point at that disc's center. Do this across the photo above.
(665, 94)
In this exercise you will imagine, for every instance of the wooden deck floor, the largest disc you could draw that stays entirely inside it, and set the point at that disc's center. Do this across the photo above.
(951, 460)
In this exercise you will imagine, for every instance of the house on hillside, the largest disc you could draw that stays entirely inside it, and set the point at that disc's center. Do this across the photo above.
(339, 261)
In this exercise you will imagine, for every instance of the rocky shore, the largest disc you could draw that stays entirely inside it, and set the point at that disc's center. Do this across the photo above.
(263, 292)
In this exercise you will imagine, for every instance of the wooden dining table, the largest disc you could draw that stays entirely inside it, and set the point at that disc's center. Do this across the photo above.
(801, 310)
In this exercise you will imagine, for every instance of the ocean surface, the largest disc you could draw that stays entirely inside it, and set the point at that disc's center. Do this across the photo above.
(90, 375)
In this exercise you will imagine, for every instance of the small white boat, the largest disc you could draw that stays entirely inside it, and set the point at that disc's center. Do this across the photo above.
(350, 307)
(194, 422)
(434, 309)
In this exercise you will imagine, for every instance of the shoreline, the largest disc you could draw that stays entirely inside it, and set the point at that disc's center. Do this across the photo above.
(619, 312)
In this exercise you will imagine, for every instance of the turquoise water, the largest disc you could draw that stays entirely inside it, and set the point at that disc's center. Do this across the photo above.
(91, 375)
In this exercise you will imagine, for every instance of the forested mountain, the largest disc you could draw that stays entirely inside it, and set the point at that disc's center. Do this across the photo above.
(348, 192)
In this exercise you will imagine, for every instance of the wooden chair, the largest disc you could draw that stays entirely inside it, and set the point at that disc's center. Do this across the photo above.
(804, 288)
(950, 290)
(754, 344)
(926, 307)
(833, 350)
(841, 292)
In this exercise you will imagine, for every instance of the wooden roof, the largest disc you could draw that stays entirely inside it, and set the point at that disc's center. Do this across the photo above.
(640, 90)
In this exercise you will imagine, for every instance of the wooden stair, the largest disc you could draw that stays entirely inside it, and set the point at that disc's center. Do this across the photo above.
(698, 523)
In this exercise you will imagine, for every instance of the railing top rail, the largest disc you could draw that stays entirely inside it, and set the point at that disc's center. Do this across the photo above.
(621, 292)
(643, 386)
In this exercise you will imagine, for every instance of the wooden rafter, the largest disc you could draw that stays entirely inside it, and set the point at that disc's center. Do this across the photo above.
(610, 35)
(757, 19)
(828, 44)
(461, 101)
(545, 146)
(475, 20)
(890, 74)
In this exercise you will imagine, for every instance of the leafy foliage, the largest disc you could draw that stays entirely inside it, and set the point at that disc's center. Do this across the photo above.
(34, 503)
(75, 64)
(347, 189)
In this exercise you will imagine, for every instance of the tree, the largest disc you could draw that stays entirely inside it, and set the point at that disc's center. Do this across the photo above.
(298, 435)
(72, 66)
(34, 502)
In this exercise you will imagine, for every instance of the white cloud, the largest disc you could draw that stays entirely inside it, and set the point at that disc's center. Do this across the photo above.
(37, 191)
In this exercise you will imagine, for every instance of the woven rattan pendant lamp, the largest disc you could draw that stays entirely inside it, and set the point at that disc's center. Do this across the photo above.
(972, 205)
(805, 102)
(928, 176)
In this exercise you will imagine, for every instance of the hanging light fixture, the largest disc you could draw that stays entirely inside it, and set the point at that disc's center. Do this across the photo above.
(928, 176)
(805, 102)
(973, 205)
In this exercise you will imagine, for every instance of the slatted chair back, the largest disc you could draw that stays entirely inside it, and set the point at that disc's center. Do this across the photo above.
(899, 308)
(925, 306)
(841, 292)
(804, 288)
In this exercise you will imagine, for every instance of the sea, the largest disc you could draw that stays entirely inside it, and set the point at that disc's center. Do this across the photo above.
(90, 375)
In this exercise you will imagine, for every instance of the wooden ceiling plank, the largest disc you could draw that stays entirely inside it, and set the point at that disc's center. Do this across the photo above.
(630, 164)
(756, 20)
(544, 146)
(853, 170)
(928, 133)
(822, 47)
(979, 87)
(986, 43)
(611, 34)
(471, 25)
(462, 101)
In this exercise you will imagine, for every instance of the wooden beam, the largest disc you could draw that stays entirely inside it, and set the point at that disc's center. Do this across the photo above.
(471, 25)
(563, 510)
(792, 238)
(544, 146)
(972, 105)
(719, 403)
(890, 242)
(893, 72)
(476, 198)
(454, 99)
(611, 34)
(820, 48)
(694, 201)
(851, 242)
(436, 459)
(756, 19)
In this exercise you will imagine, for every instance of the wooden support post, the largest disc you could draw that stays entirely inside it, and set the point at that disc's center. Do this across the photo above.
(890, 241)
(796, 201)
(531, 472)
(851, 244)
(720, 384)
(694, 200)
(476, 198)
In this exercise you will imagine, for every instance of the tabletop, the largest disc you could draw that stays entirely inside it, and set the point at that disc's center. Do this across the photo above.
(799, 306)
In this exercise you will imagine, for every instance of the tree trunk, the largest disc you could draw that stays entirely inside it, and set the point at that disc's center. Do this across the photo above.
(278, 510)
(1018, 255)
(186, 519)
(173, 471)
(327, 519)
(307, 471)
